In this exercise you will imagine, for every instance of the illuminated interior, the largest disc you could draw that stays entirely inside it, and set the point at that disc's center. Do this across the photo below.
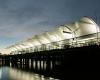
(80, 32)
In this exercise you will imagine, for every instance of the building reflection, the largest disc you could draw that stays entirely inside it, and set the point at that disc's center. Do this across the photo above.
(8, 73)
(0, 74)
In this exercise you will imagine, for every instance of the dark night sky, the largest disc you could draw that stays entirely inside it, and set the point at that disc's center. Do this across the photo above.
(22, 19)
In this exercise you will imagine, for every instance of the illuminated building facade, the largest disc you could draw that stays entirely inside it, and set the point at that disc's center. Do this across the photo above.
(76, 34)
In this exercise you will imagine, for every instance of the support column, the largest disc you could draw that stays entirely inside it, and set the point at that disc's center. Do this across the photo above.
(27, 63)
(31, 63)
(20, 63)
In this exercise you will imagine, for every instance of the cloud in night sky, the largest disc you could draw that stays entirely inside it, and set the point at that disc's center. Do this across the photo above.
(21, 19)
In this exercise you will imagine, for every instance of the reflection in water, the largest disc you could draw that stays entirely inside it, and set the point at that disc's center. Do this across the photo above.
(0, 74)
(38, 65)
(8, 73)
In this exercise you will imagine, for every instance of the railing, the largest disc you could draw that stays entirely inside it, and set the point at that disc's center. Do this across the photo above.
(67, 43)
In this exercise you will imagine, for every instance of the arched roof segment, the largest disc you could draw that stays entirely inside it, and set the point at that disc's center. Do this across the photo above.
(79, 28)
(84, 26)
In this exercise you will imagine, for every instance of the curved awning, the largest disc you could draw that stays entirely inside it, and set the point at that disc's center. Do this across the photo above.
(79, 28)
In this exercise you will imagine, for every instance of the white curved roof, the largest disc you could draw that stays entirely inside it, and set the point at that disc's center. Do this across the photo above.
(82, 27)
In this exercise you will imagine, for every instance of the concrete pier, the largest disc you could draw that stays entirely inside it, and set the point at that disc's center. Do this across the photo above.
(71, 60)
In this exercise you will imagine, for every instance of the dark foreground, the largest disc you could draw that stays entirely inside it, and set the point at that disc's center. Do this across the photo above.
(56, 64)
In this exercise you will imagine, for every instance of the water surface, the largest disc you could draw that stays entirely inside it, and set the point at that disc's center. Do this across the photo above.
(9, 73)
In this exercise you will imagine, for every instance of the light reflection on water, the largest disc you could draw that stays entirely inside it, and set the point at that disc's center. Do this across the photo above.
(40, 65)
(8, 73)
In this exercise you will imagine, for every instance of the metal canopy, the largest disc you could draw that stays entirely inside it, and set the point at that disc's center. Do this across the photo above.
(80, 28)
